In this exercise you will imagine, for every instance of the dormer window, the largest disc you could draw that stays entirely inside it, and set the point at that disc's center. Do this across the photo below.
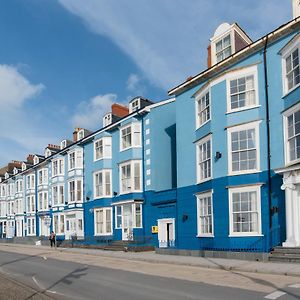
(227, 40)
(80, 135)
(23, 166)
(36, 160)
(134, 105)
(47, 153)
(6, 175)
(15, 171)
(63, 144)
(107, 119)
(223, 48)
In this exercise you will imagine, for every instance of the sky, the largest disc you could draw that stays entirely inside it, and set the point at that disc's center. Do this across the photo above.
(64, 62)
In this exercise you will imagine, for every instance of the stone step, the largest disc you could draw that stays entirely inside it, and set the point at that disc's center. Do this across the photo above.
(284, 258)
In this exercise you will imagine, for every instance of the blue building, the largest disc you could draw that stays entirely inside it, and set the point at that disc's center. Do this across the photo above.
(215, 167)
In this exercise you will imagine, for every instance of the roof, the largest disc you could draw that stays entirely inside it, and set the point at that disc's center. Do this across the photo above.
(237, 56)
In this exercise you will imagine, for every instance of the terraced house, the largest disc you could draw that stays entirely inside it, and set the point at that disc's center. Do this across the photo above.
(215, 167)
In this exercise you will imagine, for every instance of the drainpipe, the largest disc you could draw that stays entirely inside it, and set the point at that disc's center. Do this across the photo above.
(268, 133)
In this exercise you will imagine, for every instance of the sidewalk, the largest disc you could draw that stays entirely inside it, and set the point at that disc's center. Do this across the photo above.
(289, 269)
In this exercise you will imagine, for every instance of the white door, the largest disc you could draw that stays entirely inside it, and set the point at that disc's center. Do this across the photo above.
(44, 228)
(70, 226)
(127, 232)
(166, 233)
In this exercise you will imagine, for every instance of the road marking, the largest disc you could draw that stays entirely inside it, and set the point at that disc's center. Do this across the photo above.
(44, 257)
(295, 286)
(38, 284)
(275, 295)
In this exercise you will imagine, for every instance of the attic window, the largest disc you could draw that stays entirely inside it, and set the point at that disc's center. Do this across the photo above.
(6, 175)
(23, 167)
(47, 153)
(35, 160)
(80, 135)
(15, 171)
(134, 105)
(107, 120)
(223, 48)
(63, 144)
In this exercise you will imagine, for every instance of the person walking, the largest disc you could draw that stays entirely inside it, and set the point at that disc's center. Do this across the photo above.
(52, 239)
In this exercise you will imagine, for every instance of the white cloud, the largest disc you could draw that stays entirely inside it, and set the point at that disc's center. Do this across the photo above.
(167, 39)
(15, 89)
(20, 131)
(89, 113)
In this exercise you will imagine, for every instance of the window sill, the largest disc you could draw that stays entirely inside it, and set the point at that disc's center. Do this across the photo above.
(201, 125)
(103, 234)
(245, 235)
(205, 236)
(131, 147)
(204, 180)
(102, 197)
(242, 109)
(290, 91)
(130, 192)
(244, 173)
(102, 158)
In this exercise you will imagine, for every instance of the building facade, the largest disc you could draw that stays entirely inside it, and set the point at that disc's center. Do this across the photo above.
(215, 167)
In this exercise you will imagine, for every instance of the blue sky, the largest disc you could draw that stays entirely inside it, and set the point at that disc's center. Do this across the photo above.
(64, 62)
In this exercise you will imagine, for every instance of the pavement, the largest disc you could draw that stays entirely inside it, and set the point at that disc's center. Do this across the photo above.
(276, 268)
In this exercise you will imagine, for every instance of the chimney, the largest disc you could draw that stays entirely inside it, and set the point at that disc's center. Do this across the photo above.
(296, 8)
(30, 158)
(209, 56)
(51, 146)
(119, 110)
(75, 134)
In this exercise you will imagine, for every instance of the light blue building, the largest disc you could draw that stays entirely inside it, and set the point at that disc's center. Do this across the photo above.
(215, 167)
(236, 132)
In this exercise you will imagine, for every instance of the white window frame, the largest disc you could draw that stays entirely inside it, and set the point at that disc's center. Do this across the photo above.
(44, 200)
(60, 225)
(43, 176)
(245, 72)
(31, 226)
(30, 204)
(200, 197)
(198, 98)
(106, 148)
(30, 182)
(287, 51)
(134, 105)
(76, 190)
(136, 135)
(60, 168)
(247, 126)
(80, 134)
(107, 119)
(286, 115)
(199, 173)
(132, 177)
(60, 195)
(104, 214)
(106, 192)
(78, 159)
(250, 188)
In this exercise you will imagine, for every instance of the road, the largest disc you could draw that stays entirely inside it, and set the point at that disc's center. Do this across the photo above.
(42, 277)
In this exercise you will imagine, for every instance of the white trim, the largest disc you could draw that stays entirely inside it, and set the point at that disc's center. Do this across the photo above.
(255, 188)
(250, 125)
(285, 52)
(200, 142)
(247, 71)
(286, 114)
(106, 148)
(131, 179)
(203, 195)
(104, 183)
(198, 97)
(103, 209)
(135, 133)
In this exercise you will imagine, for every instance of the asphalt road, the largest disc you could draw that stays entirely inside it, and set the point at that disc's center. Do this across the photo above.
(44, 278)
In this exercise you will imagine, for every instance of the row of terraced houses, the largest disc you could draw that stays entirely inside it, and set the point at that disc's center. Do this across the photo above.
(215, 167)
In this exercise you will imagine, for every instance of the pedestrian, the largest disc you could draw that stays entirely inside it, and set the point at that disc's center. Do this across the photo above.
(52, 239)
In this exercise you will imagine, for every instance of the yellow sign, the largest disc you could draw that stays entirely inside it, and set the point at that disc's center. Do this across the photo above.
(154, 229)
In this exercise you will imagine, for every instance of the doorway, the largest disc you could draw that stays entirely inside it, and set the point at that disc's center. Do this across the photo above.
(166, 233)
